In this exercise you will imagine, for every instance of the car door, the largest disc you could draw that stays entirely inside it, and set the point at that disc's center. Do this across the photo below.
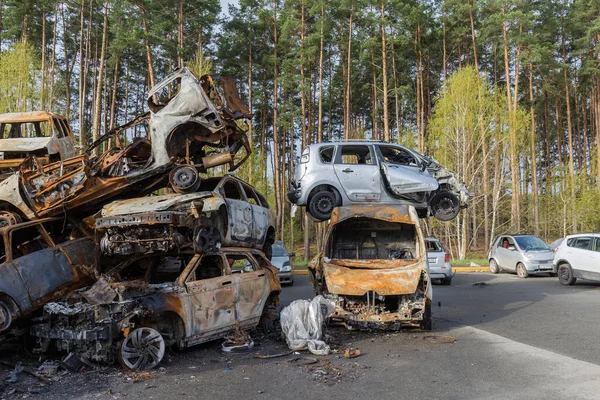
(260, 218)
(252, 287)
(210, 296)
(357, 171)
(581, 254)
(507, 257)
(239, 212)
(64, 138)
(402, 171)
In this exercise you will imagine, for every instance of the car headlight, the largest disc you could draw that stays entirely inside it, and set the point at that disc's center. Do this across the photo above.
(286, 268)
(529, 256)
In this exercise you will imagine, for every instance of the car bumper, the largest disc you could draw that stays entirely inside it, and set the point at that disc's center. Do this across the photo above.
(534, 267)
(286, 277)
(441, 272)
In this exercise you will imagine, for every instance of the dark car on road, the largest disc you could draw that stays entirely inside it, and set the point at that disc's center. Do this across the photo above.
(41, 261)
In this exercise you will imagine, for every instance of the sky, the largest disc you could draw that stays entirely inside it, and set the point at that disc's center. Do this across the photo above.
(225, 5)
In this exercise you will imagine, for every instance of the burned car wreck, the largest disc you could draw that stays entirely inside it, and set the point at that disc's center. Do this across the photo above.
(46, 135)
(42, 261)
(225, 211)
(150, 302)
(373, 266)
(191, 130)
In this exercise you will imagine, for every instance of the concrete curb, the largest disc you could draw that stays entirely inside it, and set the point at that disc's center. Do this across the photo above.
(459, 270)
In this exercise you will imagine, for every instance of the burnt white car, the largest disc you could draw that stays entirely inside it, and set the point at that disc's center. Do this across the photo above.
(224, 211)
(341, 174)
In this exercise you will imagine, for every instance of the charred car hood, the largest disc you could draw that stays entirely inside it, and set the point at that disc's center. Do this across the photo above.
(150, 204)
(392, 277)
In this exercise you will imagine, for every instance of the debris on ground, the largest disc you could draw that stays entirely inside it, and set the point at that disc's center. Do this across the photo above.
(302, 324)
(480, 284)
(302, 361)
(351, 353)
(260, 356)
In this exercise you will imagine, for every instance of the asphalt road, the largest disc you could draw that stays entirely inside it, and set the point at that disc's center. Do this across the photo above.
(515, 339)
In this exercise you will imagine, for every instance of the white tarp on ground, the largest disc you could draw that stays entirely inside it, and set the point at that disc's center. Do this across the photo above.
(302, 324)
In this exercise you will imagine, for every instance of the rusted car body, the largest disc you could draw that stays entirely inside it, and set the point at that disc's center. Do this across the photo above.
(42, 261)
(46, 135)
(225, 211)
(189, 132)
(179, 300)
(373, 266)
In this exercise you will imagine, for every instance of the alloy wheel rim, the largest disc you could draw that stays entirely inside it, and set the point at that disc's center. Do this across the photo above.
(144, 348)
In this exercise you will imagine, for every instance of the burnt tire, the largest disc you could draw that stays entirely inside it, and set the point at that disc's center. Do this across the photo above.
(321, 205)
(207, 240)
(5, 316)
(425, 324)
(8, 218)
(565, 275)
(268, 246)
(494, 269)
(445, 206)
(184, 179)
(143, 348)
(522, 271)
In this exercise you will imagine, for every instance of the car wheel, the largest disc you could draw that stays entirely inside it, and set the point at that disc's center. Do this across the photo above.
(8, 218)
(522, 271)
(5, 316)
(184, 179)
(426, 323)
(143, 348)
(565, 275)
(321, 205)
(494, 266)
(447, 281)
(444, 205)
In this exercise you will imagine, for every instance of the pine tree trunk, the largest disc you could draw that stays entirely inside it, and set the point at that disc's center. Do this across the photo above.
(348, 79)
(375, 117)
(53, 61)
(534, 182)
(148, 50)
(386, 123)
(69, 65)
(321, 51)
(250, 127)
(98, 96)
(82, 77)
(113, 97)
(276, 167)
(43, 82)
(180, 35)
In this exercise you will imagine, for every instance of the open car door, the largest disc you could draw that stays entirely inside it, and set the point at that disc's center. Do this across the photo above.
(49, 186)
(402, 171)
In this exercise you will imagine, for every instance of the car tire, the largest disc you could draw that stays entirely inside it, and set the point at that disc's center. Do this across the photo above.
(447, 281)
(553, 274)
(444, 205)
(522, 271)
(565, 275)
(321, 205)
(184, 179)
(426, 322)
(143, 348)
(5, 316)
(494, 269)
(8, 218)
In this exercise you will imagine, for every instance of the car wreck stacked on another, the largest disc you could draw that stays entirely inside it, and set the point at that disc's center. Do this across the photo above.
(173, 269)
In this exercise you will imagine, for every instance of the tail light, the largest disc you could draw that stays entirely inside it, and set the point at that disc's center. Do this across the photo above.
(447, 257)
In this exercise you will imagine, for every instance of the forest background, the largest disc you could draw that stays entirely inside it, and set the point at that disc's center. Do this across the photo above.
(506, 93)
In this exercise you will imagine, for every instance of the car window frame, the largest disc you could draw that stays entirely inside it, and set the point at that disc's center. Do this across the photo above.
(8, 241)
(339, 154)
(240, 189)
(246, 187)
(248, 255)
(195, 263)
(333, 157)
(591, 239)
(418, 161)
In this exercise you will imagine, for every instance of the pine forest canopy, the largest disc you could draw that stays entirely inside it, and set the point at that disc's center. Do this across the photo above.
(505, 93)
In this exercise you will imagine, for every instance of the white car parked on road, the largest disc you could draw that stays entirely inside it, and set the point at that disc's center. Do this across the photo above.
(578, 256)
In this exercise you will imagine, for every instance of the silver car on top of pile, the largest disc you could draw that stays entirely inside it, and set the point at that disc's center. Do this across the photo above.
(340, 174)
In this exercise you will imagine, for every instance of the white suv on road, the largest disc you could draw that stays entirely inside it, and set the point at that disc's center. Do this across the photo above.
(578, 256)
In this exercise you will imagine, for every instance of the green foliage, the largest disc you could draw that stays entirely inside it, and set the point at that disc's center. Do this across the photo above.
(18, 72)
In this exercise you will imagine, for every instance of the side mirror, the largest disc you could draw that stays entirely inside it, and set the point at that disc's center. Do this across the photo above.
(512, 248)
(292, 255)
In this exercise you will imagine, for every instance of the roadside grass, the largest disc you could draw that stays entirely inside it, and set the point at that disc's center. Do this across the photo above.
(468, 261)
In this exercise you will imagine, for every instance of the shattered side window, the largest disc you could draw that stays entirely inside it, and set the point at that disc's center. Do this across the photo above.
(398, 155)
(164, 95)
(252, 198)
(231, 191)
(241, 263)
(326, 154)
(210, 266)
(168, 269)
(433, 245)
(355, 154)
(27, 240)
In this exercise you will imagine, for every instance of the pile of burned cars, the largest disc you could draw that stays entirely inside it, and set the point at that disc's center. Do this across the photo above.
(121, 251)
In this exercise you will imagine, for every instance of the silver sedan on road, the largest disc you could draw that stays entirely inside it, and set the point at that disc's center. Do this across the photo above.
(523, 254)
(439, 261)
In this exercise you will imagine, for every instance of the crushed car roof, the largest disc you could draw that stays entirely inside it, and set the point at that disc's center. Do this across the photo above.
(32, 116)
